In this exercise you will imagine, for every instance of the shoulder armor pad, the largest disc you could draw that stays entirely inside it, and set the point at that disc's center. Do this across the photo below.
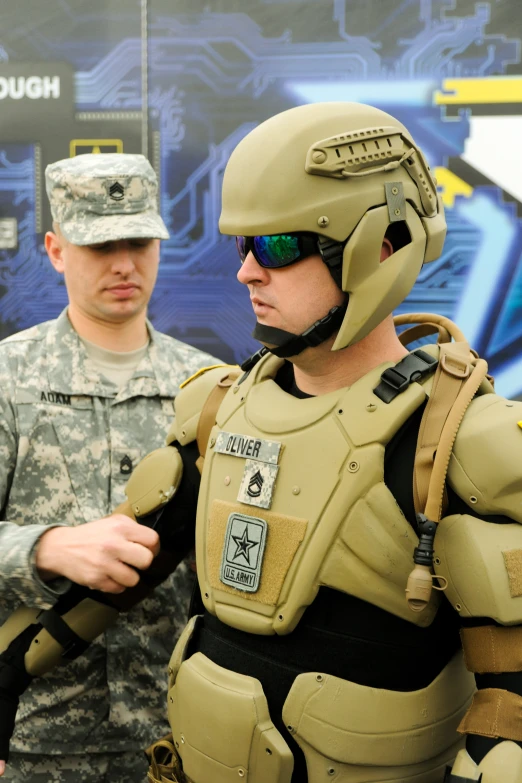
(482, 563)
(193, 394)
(486, 465)
(154, 481)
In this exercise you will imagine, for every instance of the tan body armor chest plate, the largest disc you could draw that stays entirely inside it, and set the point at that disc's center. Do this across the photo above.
(313, 507)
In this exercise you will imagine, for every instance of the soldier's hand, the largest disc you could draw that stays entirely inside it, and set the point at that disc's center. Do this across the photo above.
(102, 555)
(2, 768)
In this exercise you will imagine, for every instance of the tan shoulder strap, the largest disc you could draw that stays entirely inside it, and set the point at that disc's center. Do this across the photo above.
(424, 330)
(457, 379)
(207, 417)
(438, 323)
(437, 483)
(453, 369)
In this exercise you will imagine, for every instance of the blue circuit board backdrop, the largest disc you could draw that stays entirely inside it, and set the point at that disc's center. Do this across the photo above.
(185, 82)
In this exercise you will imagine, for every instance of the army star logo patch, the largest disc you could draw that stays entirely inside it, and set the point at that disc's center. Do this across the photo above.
(243, 552)
(258, 483)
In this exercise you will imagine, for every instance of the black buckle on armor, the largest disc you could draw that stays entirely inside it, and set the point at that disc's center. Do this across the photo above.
(251, 362)
(449, 778)
(396, 379)
(73, 645)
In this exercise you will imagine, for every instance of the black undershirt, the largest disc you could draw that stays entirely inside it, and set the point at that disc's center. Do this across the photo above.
(338, 634)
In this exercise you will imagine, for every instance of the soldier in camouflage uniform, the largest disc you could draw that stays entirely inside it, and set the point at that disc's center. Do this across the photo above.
(83, 399)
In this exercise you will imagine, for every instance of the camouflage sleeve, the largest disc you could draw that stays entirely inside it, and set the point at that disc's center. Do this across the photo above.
(19, 580)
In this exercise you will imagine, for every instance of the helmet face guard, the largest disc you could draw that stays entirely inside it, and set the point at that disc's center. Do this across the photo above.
(345, 171)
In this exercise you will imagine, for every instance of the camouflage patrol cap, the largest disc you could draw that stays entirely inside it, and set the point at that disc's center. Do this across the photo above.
(102, 197)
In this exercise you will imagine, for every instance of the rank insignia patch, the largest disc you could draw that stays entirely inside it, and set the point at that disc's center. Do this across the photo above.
(243, 551)
(257, 484)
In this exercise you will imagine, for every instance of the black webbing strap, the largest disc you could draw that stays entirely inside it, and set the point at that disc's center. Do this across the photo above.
(449, 778)
(396, 379)
(73, 645)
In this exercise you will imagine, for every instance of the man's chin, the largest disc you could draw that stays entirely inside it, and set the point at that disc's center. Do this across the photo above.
(123, 311)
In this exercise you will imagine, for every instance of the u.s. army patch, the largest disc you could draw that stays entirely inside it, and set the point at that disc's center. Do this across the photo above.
(258, 483)
(245, 540)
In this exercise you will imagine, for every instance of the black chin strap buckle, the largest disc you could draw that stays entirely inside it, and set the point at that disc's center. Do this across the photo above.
(320, 330)
(251, 362)
(316, 334)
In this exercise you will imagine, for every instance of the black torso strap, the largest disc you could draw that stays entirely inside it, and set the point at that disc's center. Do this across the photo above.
(396, 379)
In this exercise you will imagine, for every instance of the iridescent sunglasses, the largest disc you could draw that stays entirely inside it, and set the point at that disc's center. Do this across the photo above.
(277, 250)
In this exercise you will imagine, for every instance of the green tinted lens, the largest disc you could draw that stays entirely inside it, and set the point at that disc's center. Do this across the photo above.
(276, 250)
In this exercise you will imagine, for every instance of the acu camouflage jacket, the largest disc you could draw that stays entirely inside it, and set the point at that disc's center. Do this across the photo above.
(68, 441)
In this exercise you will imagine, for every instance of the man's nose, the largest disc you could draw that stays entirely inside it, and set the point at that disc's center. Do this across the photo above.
(251, 272)
(123, 260)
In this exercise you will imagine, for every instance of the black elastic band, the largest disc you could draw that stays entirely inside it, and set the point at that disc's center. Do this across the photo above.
(332, 255)
(289, 344)
(73, 645)
(396, 379)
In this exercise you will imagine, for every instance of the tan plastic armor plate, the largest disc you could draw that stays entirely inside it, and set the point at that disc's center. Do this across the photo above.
(245, 745)
(344, 528)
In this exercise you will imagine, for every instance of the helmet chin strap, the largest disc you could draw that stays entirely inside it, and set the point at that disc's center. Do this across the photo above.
(288, 344)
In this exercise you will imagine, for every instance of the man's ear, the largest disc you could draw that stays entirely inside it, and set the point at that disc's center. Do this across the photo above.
(386, 249)
(53, 245)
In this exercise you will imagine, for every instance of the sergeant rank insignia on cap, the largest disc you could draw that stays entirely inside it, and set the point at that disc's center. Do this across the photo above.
(116, 191)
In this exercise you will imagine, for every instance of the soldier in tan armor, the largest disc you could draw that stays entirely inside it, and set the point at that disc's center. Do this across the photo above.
(342, 479)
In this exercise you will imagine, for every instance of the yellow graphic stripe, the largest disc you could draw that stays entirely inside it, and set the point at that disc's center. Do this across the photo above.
(451, 186)
(494, 89)
(96, 145)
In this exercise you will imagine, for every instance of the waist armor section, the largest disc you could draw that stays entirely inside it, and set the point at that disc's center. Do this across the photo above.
(330, 726)
(293, 498)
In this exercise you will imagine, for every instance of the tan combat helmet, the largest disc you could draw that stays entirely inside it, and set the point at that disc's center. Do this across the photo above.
(345, 171)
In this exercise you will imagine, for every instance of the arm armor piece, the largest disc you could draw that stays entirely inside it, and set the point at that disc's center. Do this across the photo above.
(503, 764)
(32, 641)
(482, 562)
(154, 481)
(484, 469)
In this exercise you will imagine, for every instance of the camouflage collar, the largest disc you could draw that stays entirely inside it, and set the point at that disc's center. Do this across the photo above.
(70, 371)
